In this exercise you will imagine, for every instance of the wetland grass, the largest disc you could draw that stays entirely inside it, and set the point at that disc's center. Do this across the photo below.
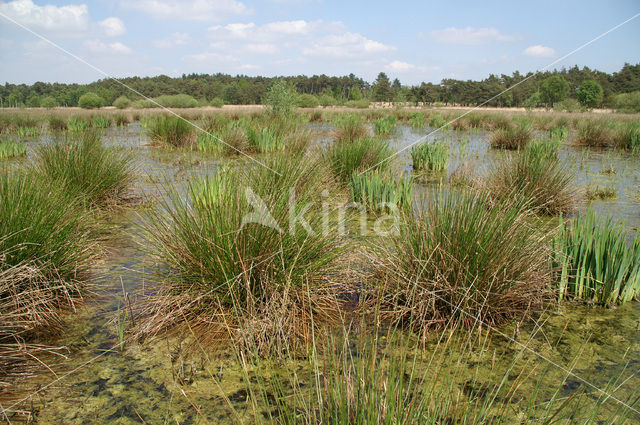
(381, 191)
(46, 249)
(349, 128)
(418, 120)
(512, 137)
(594, 261)
(251, 280)
(81, 164)
(535, 175)
(346, 158)
(384, 126)
(601, 193)
(463, 252)
(77, 124)
(428, 156)
(10, 148)
(171, 132)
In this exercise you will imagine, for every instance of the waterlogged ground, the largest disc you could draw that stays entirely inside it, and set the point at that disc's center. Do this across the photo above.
(154, 383)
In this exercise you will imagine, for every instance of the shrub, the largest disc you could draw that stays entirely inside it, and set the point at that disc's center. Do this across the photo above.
(85, 168)
(176, 101)
(217, 102)
(594, 261)
(537, 177)
(461, 252)
(122, 102)
(255, 275)
(326, 100)
(430, 156)
(307, 101)
(346, 158)
(48, 102)
(171, 131)
(11, 148)
(590, 94)
(281, 98)
(554, 89)
(380, 192)
(627, 102)
(360, 104)
(512, 137)
(90, 100)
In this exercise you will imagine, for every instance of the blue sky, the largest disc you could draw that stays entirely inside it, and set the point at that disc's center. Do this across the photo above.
(412, 40)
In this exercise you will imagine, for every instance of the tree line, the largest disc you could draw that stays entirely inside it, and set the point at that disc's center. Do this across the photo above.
(592, 88)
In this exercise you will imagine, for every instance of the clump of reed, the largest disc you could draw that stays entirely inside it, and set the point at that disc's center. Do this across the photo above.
(535, 175)
(10, 148)
(512, 137)
(463, 256)
(82, 165)
(544, 148)
(381, 191)
(170, 131)
(346, 158)
(437, 121)
(57, 123)
(429, 156)
(349, 128)
(627, 136)
(232, 256)
(209, 143)
(121, 120)
(418, 120)
(28, 131)
(559, 132)
(100, 121)
(384, 126)
(594, 262)
(603, 193)
(46, 247)
(264, 139)
(77, 124)
(594, 134)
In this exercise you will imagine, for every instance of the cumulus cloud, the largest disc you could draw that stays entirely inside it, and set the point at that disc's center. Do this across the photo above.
(471, 36)
(191, 10)
(69, 18)
(300, 37)
(98, 46)
(539, 51)
(399, 66)
(113, 27)
(174, 40)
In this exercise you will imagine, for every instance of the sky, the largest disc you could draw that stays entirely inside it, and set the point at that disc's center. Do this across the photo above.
(413, 41)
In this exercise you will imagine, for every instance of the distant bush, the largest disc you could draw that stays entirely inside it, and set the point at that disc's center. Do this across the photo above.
(90, 100)
(627, 102)
(281, 98)
(569, 105)
(217, 102)
(362, 103)
(48, 102)
(326, 100)
(141, 104)
(307, 101)
(122, 102)
(176, 101)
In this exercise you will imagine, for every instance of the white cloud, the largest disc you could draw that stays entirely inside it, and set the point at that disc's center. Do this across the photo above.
(98, 46)
(113, 26)
(261, 48)
(399, 66)
(191, 10)
(471, 36)
(539, 51)
(174, 40)
(69, 18)
(345, 45)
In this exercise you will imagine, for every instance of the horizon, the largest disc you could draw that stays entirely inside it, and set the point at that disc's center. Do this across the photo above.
(306, 37)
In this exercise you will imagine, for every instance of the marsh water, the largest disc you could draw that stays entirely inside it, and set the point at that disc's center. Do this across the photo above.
(101, 382)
